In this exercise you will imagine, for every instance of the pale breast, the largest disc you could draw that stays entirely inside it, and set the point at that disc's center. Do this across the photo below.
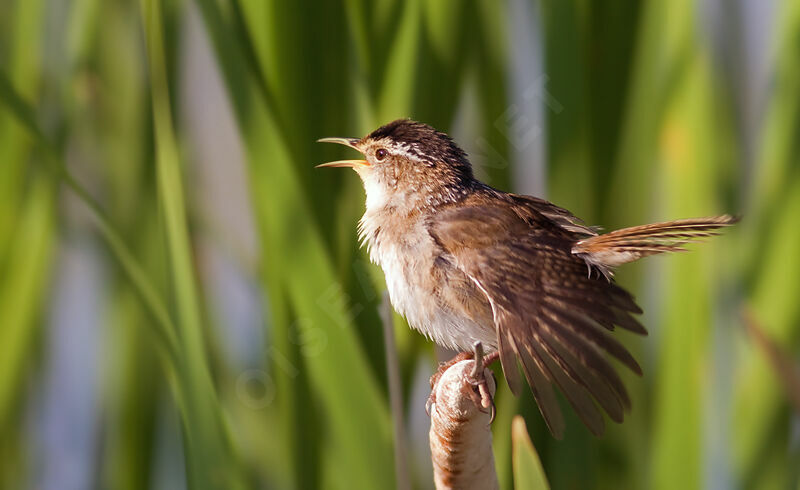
(435, 297)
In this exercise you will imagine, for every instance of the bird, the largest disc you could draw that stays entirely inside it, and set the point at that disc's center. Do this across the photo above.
(478, 269)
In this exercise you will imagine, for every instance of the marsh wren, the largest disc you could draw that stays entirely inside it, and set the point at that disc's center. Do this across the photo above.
(466, 263)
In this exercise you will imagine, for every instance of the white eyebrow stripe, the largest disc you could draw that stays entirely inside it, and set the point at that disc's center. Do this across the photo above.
(408, 150)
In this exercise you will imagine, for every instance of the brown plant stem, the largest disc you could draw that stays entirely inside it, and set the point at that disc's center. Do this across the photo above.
(460, 435)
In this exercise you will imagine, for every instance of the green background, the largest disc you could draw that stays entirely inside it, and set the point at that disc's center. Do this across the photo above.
(182, 297)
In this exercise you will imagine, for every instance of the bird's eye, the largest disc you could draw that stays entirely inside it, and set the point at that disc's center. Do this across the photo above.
(380, 154)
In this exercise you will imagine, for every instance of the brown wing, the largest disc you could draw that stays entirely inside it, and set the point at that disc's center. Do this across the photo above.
(549, 313)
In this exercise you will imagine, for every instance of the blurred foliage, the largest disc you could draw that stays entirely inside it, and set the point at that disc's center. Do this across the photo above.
(648, 125)
(528, 473)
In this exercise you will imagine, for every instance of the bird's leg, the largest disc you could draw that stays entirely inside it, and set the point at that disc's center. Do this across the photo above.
(483, 397)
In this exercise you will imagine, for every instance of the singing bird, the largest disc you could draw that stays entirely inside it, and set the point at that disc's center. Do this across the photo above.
(466, 263)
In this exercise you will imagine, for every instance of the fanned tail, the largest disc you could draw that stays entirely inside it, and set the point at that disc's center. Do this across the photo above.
(629, 244)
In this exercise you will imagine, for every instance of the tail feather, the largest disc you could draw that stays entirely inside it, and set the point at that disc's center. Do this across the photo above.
(629, 244)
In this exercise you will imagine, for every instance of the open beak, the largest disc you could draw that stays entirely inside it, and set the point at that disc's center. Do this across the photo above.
(351, 142)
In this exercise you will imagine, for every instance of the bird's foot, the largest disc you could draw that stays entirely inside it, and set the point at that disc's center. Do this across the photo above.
(480, 394)
(443, 366)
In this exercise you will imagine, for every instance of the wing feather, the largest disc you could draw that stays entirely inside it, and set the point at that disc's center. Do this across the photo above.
(583, 327)
(534, 370)
(576, 395)
(583, 352)
(549, 314)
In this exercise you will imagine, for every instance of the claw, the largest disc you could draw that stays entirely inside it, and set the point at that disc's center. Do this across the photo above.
(480, 395)
(486, 400)
(478, 379)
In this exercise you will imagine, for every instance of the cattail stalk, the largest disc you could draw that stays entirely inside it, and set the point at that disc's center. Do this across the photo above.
(460, 435)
